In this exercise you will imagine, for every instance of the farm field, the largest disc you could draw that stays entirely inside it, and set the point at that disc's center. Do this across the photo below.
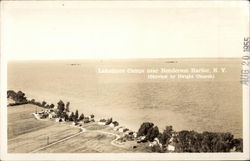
(28, 135)
(21, 120)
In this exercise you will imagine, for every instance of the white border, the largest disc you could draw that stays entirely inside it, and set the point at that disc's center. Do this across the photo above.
(120, 156)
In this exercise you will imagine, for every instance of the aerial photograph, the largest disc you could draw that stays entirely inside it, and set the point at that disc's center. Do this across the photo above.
(121, 79)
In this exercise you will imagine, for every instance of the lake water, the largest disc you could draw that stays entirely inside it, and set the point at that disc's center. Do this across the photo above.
(186, 104)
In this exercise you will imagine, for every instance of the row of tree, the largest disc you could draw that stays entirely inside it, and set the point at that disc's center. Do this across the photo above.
(62, 110)
(41, 104)
(190, 141)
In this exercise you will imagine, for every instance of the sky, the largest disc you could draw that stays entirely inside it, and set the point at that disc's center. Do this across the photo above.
(69, 30)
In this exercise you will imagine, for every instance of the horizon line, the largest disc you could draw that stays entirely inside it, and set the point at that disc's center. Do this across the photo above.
(136, 58)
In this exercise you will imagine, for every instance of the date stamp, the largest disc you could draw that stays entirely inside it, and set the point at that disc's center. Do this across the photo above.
(244, 77)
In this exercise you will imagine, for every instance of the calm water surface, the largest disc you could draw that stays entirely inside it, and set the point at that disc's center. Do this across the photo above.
(210, 105)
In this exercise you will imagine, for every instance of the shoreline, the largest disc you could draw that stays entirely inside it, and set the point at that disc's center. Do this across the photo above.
(133, 125)
(153, 136)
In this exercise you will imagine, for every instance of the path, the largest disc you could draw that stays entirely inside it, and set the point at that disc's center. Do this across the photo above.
(113, 141)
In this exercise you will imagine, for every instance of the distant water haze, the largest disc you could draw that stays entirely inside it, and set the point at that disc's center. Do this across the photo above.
(186, 104)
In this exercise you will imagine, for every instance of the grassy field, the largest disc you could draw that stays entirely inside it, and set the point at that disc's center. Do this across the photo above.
(21, 120)
(93, 141)
(28, 135)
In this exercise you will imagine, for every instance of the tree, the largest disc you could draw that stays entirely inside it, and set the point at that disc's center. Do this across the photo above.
(67, 106)
(66, 117)
(44, 103)
(222, 142)
(72, 116)
(238, 144)
(81, 117)
(184, 141)
(166, 135)
(108, 121)
(76, 115)
(21, 97)
(60, 107)
(32, 101)
(143, 130)
(11, 94)
(51, 106)
(152, 133)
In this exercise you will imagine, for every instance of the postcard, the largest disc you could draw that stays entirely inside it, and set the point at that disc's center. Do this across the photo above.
(125, 80)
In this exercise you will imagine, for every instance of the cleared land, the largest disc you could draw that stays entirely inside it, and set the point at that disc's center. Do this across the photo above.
(28, 135)
(21, 120)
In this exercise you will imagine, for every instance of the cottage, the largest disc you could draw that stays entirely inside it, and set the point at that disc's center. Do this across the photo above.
(60, 120)
(52, 115)
(171, 147)
(233, 149)
(102, 120)
(37, 116)
(114, 124)
(122, 129)
(101, 123)
(116, 128)
(87, 117)
(129, 132)
(141, 139)
(135, 134)
(111, 125)
(42, 115)
(108, 121)
(47, 111)
(125, 130)
(156, 142)
(74, 123)
(86, 120)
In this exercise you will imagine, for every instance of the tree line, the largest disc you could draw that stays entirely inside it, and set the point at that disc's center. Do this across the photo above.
(190, 141)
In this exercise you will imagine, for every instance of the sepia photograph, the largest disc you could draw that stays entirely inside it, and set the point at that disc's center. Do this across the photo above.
(125, 80)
